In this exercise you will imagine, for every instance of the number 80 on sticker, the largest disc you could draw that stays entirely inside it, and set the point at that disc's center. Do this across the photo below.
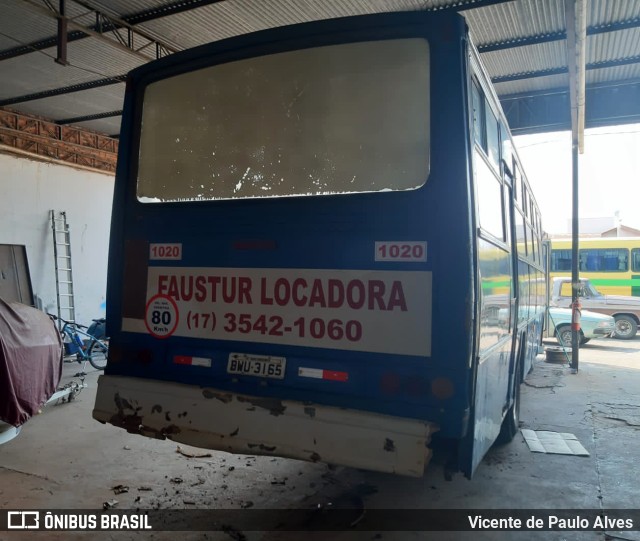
(161, 316)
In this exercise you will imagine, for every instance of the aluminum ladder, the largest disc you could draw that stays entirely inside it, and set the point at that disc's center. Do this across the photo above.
(64, 274)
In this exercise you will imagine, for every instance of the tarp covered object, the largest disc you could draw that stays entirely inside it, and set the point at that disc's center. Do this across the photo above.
(30, 361)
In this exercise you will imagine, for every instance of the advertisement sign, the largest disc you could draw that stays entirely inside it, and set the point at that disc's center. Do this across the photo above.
(358, 310)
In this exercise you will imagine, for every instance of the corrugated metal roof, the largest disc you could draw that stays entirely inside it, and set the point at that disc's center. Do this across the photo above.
(507, 23)
(22, 24)
(88, 61)
(110, 126)
(101, 59)
(603, 12)
(625, 44)
(618, 73)
(37, 72)
(235, 17)
(530, 58)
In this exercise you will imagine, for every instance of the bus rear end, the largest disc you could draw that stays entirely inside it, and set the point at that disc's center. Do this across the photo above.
(271, 282)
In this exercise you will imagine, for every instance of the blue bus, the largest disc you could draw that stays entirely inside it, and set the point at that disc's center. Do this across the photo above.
(323, 247)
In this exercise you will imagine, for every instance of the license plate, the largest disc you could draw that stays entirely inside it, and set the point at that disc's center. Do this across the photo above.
(261, 366)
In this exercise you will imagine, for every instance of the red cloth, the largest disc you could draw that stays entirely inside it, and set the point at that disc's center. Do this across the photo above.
(30, 361)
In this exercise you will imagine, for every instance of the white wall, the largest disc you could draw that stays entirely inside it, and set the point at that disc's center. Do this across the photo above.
(29, 189)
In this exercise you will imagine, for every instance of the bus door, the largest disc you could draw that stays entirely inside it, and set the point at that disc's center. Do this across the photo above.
(510, 185)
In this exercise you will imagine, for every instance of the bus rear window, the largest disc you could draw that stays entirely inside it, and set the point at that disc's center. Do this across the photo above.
(338, 119)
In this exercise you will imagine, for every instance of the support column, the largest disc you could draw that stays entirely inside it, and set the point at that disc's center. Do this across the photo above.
(576, 21)
(61, 57)
(575, 276)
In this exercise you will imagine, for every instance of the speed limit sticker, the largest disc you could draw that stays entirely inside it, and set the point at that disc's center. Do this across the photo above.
(161, 316)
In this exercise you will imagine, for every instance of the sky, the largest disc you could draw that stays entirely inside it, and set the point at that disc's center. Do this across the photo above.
(609, 175)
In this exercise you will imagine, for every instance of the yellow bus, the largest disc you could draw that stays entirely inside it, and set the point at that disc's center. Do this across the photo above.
(611, 263)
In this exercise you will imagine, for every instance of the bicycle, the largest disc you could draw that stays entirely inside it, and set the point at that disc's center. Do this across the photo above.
(84, 345)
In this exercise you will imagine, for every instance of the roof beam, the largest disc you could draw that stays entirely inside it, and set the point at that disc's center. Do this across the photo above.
(39, 45)
(556, 36)
(463, 5)
(521, 42)
(106, 22)
(528, 75)
(86, 118)
(627, 83)
(126, 21)
(64, 90)
(542, 111)
(559, 71)
(158, 12)
(614, 63)
(63, 22)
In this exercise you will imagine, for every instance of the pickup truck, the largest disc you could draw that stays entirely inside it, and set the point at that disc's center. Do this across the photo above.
(625, 310)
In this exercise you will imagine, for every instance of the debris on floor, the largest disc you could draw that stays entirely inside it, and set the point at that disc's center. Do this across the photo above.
(192, 455)
(279, 481)
(559, 443)
(200, 481)
(110, 504)
(120, 489)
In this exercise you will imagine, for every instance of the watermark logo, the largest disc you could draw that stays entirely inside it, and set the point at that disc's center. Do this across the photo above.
(23, 520)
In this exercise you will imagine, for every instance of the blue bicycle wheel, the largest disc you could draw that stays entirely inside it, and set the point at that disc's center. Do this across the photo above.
(98, 354)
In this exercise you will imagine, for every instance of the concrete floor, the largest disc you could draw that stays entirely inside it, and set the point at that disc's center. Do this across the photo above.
(64, 460)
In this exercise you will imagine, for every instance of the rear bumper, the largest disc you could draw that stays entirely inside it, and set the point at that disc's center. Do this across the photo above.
(214, 419)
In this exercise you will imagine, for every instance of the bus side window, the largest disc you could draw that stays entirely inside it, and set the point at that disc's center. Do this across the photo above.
(489, 191)
(521, 238)
(506, 151)
(586, 260)
(531, 209)
(635, 259)
(604, 260)
(478, 117)
(506, 206)
(531, 245)
(623, 264)
(560, 260)
(493, 137)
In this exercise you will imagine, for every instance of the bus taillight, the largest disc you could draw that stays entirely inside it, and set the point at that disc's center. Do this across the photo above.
(390, 383)
(442, 388)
